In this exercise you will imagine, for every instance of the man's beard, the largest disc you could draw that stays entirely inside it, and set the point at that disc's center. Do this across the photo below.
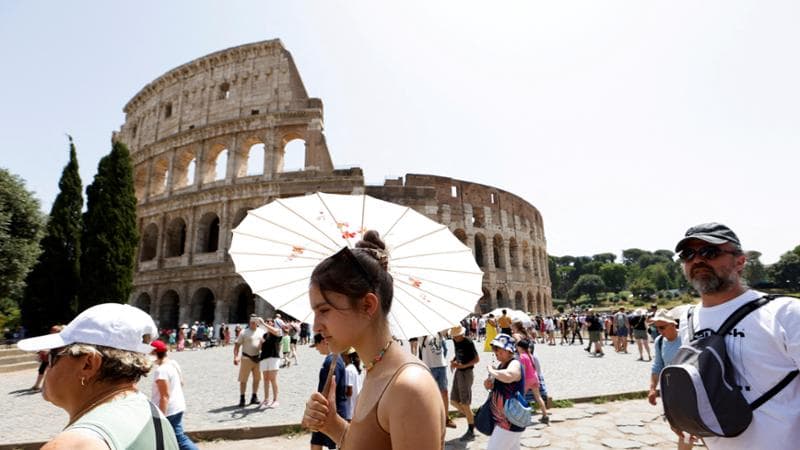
(709, 282)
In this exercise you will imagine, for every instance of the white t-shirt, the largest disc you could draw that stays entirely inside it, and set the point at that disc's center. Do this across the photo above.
(481, 323)
(170, 371)
(763, 348)
(432, 350)
(354, 380)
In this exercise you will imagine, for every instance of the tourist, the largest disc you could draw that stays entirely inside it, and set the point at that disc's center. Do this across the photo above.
(351, 296)
(353, 381)
(665, 348)
(531, 377)
(250, 342)
(621, 329)
(638, 321)
(167, 393)
(763, 349)
(595, 327)
(503, 381)
(181, 341)
(270, 360)
(95, 363)
(432, 350)
(339, 389)
(504, 322)
(463, 363)
(491, 332)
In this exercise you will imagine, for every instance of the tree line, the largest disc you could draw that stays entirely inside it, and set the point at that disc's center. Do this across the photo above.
(53, 267)
(644, 273)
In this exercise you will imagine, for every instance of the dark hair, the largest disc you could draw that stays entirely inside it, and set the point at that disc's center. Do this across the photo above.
(524, 344)
(355, 360)
(357, 272)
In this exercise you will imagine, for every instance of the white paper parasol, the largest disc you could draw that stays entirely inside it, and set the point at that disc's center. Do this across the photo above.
(436, 279)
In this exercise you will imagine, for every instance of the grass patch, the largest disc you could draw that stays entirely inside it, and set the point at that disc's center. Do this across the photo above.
(292, 431)
(600, 400)
(563, 404)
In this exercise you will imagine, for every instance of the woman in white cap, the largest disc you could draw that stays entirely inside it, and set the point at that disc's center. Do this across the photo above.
(504, 382)
(400, 405)
(95, 363)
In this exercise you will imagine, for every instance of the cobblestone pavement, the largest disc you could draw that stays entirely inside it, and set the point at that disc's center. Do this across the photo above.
(631, 424)
(212, 390)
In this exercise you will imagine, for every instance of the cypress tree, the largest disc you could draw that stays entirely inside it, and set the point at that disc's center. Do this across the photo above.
(109, 232)
(51, 294)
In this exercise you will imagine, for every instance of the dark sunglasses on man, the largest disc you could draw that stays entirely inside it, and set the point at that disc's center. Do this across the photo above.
(708, 253)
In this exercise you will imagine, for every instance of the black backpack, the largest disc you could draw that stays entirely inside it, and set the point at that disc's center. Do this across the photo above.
(698, 387)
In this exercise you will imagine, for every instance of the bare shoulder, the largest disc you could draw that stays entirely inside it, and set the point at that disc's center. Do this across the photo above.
(75, 441)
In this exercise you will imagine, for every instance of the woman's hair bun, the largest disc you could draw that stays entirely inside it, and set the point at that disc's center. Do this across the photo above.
(372, 239)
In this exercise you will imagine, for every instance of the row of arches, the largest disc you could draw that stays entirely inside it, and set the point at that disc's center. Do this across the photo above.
(203, 305)
(506, 254)
(196, 165)
(531, 303)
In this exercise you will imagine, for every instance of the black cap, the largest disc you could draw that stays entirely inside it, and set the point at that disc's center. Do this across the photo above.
(713, 233)
(317, 339)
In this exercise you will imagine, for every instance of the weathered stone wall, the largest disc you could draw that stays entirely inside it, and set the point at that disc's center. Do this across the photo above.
(195, 135)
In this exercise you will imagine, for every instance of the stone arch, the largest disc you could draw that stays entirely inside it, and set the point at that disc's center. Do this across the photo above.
(480, 250)
(484, 303)
(513, 252)
(176, 238)
(526, 256)
(250, 157)
(184, 168)
(143, 302)
(140, 182)
(211, 160)
(202, 306)
(503, 300)
(158, 183)
(478, 218)
(499, 252)
(169, 310)
(208, 233)
(461, 235)
(243, 303)
(149, 242)
(519, 301)
(529, 305)
(239, 216)
(540, 304)
(292, 156)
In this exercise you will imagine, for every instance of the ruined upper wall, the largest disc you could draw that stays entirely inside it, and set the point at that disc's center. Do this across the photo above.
(240, 82)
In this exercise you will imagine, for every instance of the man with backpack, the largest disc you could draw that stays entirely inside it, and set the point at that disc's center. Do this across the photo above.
(733, 382)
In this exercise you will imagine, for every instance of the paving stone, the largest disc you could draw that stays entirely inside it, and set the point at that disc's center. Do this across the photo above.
(648, 439)
(628, 422)
(574, 415)
(556, 418)
(594, 410)
(535, 442)
(531, 432)
(621, 443)
(633, 430)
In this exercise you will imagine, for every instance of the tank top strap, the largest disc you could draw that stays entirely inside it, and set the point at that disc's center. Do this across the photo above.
(396, 374)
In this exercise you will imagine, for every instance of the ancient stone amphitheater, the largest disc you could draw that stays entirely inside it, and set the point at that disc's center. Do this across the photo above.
(211, 139)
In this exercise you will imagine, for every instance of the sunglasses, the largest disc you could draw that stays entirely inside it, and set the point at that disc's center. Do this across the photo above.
(54, 355)
(708, 253)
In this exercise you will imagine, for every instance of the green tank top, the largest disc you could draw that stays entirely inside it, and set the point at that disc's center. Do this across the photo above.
(126, 423)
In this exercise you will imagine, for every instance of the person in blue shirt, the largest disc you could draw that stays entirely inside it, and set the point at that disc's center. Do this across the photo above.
(666, 346)
(319, 439)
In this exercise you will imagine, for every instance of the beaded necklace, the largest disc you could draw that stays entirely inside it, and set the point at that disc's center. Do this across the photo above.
(378, 358)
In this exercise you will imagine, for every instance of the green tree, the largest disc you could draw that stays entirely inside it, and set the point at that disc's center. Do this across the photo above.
(109, 232)
(658, 275)
(51, 294)
(642, 287)
(754, 271)
(786, 272)
(21, 226)
(588, 284)
(613, 276)
(604, 257)
(632, 255)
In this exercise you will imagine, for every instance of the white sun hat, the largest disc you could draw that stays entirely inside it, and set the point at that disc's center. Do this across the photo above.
(114, 325)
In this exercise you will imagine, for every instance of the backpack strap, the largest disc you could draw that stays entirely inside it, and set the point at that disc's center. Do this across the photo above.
(157, 426)
(775, 389)
(743, 311)
(690, 322)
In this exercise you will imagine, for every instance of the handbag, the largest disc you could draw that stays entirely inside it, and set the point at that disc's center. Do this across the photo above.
(484, 421)
(516, 408)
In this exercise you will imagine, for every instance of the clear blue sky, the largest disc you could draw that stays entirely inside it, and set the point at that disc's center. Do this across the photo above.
(624, 122)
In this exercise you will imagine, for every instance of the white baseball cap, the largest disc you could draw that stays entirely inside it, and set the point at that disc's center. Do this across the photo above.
(114, 325)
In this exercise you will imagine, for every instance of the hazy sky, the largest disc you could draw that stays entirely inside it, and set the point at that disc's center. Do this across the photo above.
(624, 122)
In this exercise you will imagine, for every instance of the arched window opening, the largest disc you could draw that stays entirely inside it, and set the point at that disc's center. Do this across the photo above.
(477, 217)
(294, 156)
(221, 165)
(149, 242)
(169, 308)
(255, 160)
(183, 169)
(244, 305)
(143, 302)
(208, 233)
(224, 91)
(526, 256)
(176, 238)
(499, 259)
(519, 302)
(530, 306)
(461, 235)
(513, 251)
(202, 306)
(480, 243)
(484, 305)
(140, 182)
(160, 172)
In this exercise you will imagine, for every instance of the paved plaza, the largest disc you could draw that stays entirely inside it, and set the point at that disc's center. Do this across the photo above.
(212, 390)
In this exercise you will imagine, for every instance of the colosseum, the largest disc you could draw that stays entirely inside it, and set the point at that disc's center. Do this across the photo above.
(213, 138)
